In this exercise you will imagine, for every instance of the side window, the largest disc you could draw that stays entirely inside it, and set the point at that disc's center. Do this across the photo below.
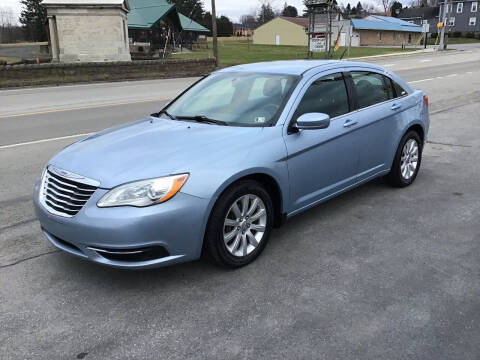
(326, 95)
(371, 88)
(399, 91)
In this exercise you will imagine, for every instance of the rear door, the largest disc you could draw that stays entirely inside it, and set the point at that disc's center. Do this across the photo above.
(377, 117)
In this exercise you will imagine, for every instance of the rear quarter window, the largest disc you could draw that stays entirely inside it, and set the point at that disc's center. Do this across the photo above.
(399, 91)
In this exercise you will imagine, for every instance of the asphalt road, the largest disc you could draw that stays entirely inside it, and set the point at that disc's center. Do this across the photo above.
(377, 273)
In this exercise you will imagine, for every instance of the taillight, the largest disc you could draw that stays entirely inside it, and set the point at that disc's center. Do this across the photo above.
(425, 100)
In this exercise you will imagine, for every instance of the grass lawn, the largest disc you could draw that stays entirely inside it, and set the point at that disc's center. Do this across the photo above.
(453, 40)
(234, 51)
(10, 60)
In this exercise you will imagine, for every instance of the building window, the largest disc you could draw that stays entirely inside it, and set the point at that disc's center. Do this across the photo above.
(472, 21)
(449, 7)
(451, 21)
(459, 8)
(474, 6)
(379, 35)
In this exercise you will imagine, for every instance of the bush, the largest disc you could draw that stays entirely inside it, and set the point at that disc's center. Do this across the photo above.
(433, 36)
(456, 34)
(470, 35)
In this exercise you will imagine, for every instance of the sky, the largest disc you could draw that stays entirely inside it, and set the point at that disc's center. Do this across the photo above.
(231, 8)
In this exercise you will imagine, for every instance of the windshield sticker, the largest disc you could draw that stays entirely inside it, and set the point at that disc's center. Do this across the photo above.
(260, 119)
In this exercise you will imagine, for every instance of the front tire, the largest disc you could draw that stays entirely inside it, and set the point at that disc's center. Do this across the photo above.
(407, 161)
(240, 225)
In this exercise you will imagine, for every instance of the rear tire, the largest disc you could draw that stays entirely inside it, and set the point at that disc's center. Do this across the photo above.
(240, 225)
(407, 161)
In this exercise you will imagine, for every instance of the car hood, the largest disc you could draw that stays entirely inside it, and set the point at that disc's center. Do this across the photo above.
(154, 147)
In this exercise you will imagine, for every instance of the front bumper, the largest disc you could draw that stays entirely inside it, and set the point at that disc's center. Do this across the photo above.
(174, 229)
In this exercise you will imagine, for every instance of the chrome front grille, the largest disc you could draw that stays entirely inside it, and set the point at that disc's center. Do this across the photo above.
(64, 193)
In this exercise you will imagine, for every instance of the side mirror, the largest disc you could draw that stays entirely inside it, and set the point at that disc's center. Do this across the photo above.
(313, 121)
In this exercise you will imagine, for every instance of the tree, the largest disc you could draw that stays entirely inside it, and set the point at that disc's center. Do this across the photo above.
(359, 8)
(248, 21)
(396, 6)
(290, 11)
(348, 10)
(386, 4)
(265, 13)
(190, 8)
(34, 20)
(7, 20)
(224, 25)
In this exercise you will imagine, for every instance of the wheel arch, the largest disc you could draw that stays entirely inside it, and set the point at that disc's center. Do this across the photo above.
(271, 183)
(418, 129)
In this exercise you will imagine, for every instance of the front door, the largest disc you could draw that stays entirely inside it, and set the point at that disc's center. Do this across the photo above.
(277, 39)
(321, 162)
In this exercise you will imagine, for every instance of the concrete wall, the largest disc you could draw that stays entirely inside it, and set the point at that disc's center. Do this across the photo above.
(385, 38)
(52, 74)
(88, 34)
(290, 33)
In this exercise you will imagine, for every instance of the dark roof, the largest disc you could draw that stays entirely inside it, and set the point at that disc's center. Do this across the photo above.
(419, 12)
(296, 20)
(387, 23)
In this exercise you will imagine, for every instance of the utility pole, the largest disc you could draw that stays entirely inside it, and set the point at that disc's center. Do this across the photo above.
(442, 18)
(445, 14)
(450, 8)
(214, 33)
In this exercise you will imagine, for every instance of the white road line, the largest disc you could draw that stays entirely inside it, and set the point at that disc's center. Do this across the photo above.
(416, 81)
(44, 140)
(86, 107)
(425, 60)
(450, 75)
(389, 65)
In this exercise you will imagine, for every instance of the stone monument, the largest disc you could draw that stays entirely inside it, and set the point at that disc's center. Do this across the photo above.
(88, 30)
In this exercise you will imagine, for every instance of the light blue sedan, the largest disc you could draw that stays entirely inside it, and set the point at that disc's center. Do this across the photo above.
(232, 157)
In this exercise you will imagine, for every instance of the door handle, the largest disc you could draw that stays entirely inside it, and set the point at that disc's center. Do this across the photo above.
(349, 123)
(395, 107)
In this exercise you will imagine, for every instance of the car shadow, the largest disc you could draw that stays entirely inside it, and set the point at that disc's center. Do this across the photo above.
(355, 205)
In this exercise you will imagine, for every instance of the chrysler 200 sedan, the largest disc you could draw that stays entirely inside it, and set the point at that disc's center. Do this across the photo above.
(234, 155)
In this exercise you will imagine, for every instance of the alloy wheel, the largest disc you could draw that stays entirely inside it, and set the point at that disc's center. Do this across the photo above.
(409, 159)
(244, 225)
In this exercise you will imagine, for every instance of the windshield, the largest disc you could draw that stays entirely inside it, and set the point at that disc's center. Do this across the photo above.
(242, 99)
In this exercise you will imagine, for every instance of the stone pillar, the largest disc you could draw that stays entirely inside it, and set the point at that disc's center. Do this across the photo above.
(52, 27)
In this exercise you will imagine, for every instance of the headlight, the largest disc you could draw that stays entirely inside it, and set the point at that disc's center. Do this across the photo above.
(144, 193)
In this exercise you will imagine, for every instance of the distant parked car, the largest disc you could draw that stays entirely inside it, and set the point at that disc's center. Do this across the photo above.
(233, 156)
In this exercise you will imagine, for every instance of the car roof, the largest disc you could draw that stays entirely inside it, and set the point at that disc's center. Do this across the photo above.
(294, 67)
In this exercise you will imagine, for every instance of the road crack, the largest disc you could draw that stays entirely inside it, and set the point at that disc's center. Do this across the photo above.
(20, 223)
(447, 144)
(28, 258)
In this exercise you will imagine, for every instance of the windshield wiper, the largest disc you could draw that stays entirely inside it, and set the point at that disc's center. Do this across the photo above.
(202, 119)
(166, 113)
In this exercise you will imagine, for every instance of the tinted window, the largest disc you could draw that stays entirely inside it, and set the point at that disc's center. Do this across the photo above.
(371, 88)
(399, 91)
(326, 95)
